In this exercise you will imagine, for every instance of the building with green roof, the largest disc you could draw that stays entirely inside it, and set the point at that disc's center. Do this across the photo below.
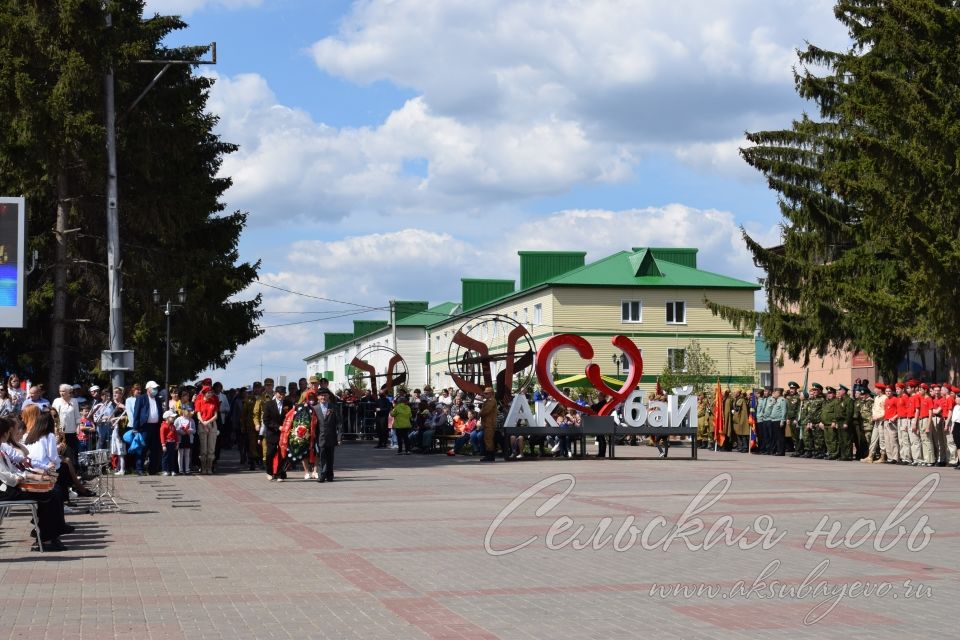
(654, 295)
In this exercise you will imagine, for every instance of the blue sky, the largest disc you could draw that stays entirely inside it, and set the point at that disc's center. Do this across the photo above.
(390, 147)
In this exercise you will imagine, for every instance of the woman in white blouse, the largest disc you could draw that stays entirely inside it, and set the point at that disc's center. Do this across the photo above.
(68, 409)
(41, 443)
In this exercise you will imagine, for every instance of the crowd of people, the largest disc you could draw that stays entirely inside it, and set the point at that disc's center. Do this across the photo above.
(912, 422)
(279, 428)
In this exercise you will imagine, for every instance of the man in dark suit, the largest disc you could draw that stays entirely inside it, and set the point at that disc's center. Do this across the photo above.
(147, 416)
(327, 423)
(383, 407)
(274, 411)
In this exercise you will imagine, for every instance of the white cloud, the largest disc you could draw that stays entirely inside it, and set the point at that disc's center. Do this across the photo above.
(722, 158)
(292, 166)
(635, 71)
(186, 7)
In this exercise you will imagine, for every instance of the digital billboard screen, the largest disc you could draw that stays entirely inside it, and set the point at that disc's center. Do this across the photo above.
(12, 235)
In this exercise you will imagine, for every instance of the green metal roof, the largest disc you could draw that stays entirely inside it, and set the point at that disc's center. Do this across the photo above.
(479, 291)
(539, 266)
(640, 269)
(430, 316)
(406, 308)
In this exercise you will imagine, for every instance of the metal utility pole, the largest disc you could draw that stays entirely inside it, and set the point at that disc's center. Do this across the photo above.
(113, 227)
(113, 222)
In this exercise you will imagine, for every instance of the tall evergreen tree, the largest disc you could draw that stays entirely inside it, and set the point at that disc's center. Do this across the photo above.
(173, 231)
(870, 190)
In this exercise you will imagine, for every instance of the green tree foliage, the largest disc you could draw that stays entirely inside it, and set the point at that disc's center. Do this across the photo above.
(173, 230)
(697, 368)
(870, 190)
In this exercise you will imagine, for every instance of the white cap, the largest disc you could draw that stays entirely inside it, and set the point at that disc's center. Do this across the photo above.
(152, 385)
(94, 389)
(169, 414)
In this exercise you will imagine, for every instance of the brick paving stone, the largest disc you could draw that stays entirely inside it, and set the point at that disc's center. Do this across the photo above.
(395, 549)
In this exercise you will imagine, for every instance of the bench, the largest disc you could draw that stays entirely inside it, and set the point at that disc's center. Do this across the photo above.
(7, 505)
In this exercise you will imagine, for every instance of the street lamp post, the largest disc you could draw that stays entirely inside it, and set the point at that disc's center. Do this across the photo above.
(168, 308)
(620, 361)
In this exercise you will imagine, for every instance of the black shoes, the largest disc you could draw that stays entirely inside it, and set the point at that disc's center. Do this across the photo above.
(52, 545)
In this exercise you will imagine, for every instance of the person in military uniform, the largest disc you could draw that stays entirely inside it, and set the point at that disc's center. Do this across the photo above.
(845, 425)
(777, 421)
(828, 419)
(790, 431)
(265, 396)
(250, 437)
(811, 419)
(704, 424)
(728, 425)
(764, 403)
(741, 420)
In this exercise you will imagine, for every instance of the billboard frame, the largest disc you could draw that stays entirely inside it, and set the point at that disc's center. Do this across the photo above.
(15, 317)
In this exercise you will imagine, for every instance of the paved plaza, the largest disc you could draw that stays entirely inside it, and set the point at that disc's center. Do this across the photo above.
(412, 547)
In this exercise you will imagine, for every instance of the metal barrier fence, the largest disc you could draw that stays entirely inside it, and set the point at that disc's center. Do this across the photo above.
(357, 421)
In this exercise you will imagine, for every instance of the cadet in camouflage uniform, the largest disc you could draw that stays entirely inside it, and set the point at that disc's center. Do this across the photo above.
(793, 412)
(810, 418)
(845, 425)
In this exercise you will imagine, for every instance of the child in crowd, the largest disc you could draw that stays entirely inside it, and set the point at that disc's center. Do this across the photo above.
(168, 440)
(185, 427)
(85, 429)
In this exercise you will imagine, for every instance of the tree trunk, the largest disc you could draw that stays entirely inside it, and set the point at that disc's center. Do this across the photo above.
(56, 372)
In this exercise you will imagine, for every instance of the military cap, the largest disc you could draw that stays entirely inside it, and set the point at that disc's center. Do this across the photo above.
(913, 383)
(924, 386)
(817, 386)
(844, 387)
(793, 385)
(831, 390)
(900, 385)
(954, 389)
(881, 386)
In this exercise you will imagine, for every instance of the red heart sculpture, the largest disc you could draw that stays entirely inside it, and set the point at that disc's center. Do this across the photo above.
(592, 371)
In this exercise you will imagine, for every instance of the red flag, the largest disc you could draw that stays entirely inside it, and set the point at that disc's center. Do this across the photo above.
(719, 433)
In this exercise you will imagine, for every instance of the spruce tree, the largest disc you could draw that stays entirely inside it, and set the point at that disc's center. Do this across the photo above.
(869, 190)
(173, 230)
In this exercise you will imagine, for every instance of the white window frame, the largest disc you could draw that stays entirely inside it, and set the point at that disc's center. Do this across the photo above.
(639, 319)
(526, 315)
(538, 314)
(671, 358)
(673, 303)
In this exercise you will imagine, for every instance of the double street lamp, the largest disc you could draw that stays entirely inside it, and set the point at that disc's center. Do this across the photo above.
(620, 360)
(168, 308)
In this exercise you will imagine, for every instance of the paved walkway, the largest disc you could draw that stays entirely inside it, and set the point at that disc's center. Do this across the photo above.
(396, 549)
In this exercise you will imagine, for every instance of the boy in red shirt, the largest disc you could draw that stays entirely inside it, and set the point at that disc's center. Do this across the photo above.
(168, 440)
